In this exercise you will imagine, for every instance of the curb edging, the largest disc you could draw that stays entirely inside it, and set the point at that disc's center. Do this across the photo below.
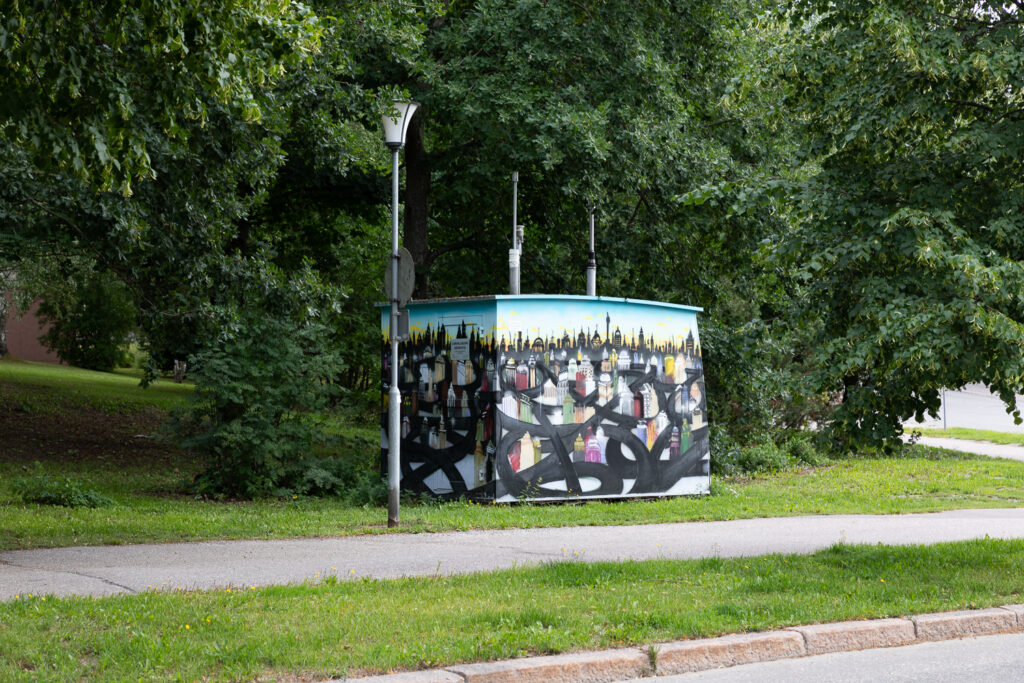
(685, 656)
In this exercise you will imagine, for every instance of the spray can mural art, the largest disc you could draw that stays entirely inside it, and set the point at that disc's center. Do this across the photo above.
(551, 397)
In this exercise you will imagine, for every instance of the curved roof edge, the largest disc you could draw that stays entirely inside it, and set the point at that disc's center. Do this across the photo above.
(570, 297)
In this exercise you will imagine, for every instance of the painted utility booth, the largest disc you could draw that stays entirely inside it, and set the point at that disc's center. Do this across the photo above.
(540, 397)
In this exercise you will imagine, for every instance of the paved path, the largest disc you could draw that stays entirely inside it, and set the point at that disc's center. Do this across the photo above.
(105, 570)
(988, 448)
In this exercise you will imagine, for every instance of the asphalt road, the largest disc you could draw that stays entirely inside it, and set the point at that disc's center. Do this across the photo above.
(105, 570)
(995, 659)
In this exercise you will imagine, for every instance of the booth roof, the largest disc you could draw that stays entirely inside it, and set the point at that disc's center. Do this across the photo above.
(552, 297)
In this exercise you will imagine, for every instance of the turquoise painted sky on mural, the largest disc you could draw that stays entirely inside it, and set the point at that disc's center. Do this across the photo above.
(544, 316)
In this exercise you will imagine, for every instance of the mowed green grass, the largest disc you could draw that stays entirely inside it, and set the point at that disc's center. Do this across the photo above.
(111, 391)
(339, 627)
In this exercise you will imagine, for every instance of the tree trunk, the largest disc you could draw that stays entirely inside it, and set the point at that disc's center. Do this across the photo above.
(417, 204)
(3, 324)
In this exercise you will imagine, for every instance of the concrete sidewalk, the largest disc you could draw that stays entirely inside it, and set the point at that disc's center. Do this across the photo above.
(993, 450)
(105, 570)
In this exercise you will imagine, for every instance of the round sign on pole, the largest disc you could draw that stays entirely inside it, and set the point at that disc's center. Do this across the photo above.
(406, 277)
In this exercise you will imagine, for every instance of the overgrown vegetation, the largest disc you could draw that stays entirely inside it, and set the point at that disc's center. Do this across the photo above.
(49, 489)
(341, 628)
(254, 414)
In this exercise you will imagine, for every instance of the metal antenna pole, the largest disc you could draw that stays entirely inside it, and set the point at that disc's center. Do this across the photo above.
(513, 254)
(394, 395)
(592, 257)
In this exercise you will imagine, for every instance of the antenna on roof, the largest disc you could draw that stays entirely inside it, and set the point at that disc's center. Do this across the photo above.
(592, 257)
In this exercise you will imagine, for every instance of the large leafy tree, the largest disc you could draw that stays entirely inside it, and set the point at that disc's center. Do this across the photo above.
(92, 87)
(612, 102)
(327, 205)
(626, 104)
(204, 153)
(912, 205)
(141, 134)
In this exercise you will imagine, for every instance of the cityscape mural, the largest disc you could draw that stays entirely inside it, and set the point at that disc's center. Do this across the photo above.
(550, 397)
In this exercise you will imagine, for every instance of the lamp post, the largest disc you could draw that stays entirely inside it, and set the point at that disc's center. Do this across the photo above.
(395, 123)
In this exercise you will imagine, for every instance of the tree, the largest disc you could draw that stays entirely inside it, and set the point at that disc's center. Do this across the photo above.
(611, 102)
(328, 203)
(262, 388)
(92, 86)
(139, 134)
(89, 329)
(626, 104)
(911, 201)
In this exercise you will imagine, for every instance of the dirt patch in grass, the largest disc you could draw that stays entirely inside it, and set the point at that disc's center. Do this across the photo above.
(77, 433)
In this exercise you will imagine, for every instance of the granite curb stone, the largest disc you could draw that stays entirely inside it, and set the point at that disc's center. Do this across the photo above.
(427, 676)
(965, 623)
(608, 666)
(713, 653)
(855, 635)
(605, 666)
(1018, 610)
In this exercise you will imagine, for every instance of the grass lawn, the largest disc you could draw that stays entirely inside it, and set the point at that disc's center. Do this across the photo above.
(48, 388)
(146, 513)
(98, 428)
(339, 628)
(1007, 438)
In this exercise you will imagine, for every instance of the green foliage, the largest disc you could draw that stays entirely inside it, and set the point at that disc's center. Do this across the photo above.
(352, 478)
(761, 458)
(89, 326)
(48, 489)
(801, 449)
(780, 451)
(89, 85)
(142, 135)
(910, 200)
(256, 411)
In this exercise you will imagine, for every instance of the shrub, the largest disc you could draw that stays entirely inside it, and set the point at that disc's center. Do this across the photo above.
(45, 489)
(728, 458)
(346, 477)
(89, 329)
(257, 408)
(801, 449)
(763, 457)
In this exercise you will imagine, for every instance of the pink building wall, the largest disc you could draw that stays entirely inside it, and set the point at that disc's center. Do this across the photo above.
(23, 334)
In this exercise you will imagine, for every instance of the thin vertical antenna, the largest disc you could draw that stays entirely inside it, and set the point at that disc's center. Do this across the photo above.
(514, 252)
(592, 257)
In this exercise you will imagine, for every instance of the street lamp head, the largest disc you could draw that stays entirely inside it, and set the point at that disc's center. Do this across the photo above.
(396, 123)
